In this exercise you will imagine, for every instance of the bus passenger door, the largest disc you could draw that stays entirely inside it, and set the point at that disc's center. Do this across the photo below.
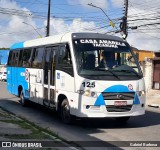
(49, 76)
(36, 74)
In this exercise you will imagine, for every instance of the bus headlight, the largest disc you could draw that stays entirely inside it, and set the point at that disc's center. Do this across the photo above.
(87, 93)
(141, 93)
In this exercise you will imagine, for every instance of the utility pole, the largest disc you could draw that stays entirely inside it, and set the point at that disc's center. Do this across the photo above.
(125, 29)
(126, 15)
(48, 18)
(123, 24)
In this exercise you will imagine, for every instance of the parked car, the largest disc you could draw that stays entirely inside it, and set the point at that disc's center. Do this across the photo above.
(3, 76)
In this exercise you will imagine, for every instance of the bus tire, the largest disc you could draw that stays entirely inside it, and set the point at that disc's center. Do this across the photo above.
(122, 119)
(22, 99)
(65, 112)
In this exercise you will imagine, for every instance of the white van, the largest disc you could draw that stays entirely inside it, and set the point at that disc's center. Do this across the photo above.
(3, 76)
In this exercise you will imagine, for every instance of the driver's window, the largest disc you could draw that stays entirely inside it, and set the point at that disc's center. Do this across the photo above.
(64, 55)
(64, 59)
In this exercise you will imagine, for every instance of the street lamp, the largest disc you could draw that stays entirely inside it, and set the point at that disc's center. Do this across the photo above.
(33, 28)
(110, 21)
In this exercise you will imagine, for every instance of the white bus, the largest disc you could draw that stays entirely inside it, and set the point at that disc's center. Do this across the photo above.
(87, 75)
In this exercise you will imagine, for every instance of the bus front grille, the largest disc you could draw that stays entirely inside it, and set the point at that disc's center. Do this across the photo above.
(112, 108)
(118, 95)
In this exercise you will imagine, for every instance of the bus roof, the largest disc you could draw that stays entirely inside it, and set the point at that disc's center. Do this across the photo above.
(63, 38)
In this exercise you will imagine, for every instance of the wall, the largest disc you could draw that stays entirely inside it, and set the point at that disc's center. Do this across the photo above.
(156, 73)
(142, 54)
(147, 68)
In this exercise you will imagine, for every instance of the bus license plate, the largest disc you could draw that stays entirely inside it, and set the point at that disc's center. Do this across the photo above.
(120, 103)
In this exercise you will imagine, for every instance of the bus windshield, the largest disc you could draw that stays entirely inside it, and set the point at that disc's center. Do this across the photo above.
(106, 59)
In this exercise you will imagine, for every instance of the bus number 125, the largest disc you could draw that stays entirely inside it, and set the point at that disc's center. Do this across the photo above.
(88, 84)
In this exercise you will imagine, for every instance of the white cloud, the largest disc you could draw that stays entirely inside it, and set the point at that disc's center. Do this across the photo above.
(144, 42)
(9, 7)
(144, 37)
(12, 27)
(118, 3)
(77, 25)
(100, 3)
(57, 26)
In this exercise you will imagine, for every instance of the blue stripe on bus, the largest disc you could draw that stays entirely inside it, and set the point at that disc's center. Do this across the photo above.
(136, 99)
(116, 88)
(17, 45)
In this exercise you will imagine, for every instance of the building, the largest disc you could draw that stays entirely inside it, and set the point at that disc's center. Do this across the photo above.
(142, 55)
(156, 71)
(150, 64)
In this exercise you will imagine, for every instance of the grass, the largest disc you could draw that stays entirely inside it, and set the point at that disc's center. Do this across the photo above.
(36, 131)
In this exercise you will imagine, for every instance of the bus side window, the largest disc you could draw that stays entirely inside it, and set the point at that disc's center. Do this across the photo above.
(64, 60)
(26, 57)
(10, 58)
(20, 58)
(13, 58)
(33, 57)
(16, 58)
(37, 59)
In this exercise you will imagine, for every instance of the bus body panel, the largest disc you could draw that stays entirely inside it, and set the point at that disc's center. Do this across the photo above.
(9, 81)
(16, 78)
(22, 82)
(64, 81)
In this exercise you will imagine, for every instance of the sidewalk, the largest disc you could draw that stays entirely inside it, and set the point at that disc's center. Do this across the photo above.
(153, 98)
(17, 133)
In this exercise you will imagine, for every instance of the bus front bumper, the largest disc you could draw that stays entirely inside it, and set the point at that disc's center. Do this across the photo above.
(103, 112)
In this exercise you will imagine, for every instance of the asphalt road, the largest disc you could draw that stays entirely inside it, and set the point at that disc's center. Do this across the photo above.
(140, 128)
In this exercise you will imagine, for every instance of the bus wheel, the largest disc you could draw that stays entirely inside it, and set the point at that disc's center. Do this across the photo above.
(22, 99)
(122, 119)
(65, 112)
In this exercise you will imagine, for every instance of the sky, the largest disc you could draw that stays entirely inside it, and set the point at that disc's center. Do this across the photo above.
(22, 20)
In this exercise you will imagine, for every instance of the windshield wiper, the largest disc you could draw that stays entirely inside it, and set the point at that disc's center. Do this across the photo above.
(113, 74)
(109, 72)
(130, 71)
